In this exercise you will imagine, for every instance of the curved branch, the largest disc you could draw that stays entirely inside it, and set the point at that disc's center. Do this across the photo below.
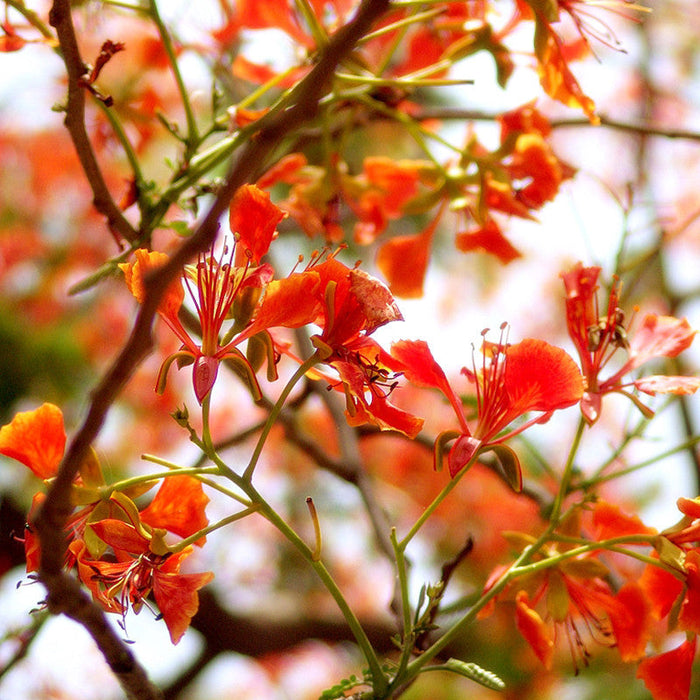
(644, 129)
(61, 19)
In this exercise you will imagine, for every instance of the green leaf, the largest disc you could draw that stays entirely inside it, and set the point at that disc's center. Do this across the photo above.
(472, 671)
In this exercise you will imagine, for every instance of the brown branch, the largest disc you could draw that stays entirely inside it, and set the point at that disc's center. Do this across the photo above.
(642, 128)
(61, 19)
(64, 594)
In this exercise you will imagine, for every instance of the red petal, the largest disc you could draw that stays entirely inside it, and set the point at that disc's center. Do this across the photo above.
(556, 78)
(661, 589)
(631, 621)
(488, 239)
(668, 385)
(689, 506)
(533, 629)
(689, 618)
(134, 273)
(32, 551)
(178, 507)
(667, 676)
(659, 336)
(421, 369)
(541, 377)
(403, 260)
(176, 595)
(36, 438)
(609, 521)
(254, 218)
(120, 535)
(290, 302)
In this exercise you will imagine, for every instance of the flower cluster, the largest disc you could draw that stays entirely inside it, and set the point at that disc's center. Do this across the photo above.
(106, 525)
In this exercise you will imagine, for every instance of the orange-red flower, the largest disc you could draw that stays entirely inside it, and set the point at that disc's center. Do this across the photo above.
(598, 337)
(213, 285)
(668, 675)
(138, 571)
(572, 595)
(354, 306)
(678, 548)
(220, 289)
(37, 439)
(513, 380)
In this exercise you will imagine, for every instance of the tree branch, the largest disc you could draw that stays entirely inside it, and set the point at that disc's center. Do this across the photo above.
(61, 19)
(642, 128)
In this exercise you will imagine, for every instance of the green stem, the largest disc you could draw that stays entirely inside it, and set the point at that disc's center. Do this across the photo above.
(125, 143)
(274, 413)
(197, 473)
(414, 668)
(317, 31)
(436, 502)
(408, 634)
(402, 24)
(192, 134)
(216, 526)
(206, 432)
(125, 484)
(379, 681)
(566, 477)
(267, 511)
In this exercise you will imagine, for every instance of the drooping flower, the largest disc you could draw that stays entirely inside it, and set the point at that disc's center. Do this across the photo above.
(572, 595)
(512, 381)
(579, 597)
(354, 305)
(37, 439)
(348, 305)
(675, 586)
(138, 572)
(598, 337)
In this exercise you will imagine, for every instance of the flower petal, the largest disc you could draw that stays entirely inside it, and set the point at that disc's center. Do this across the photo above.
(178, 507)
(631, 621)
(668, 385)
(659, 336)
(541, 377)
(403, 260)
(176, 594)
(36, 438)
(254, 218)
(667, 676)
(533, 629)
